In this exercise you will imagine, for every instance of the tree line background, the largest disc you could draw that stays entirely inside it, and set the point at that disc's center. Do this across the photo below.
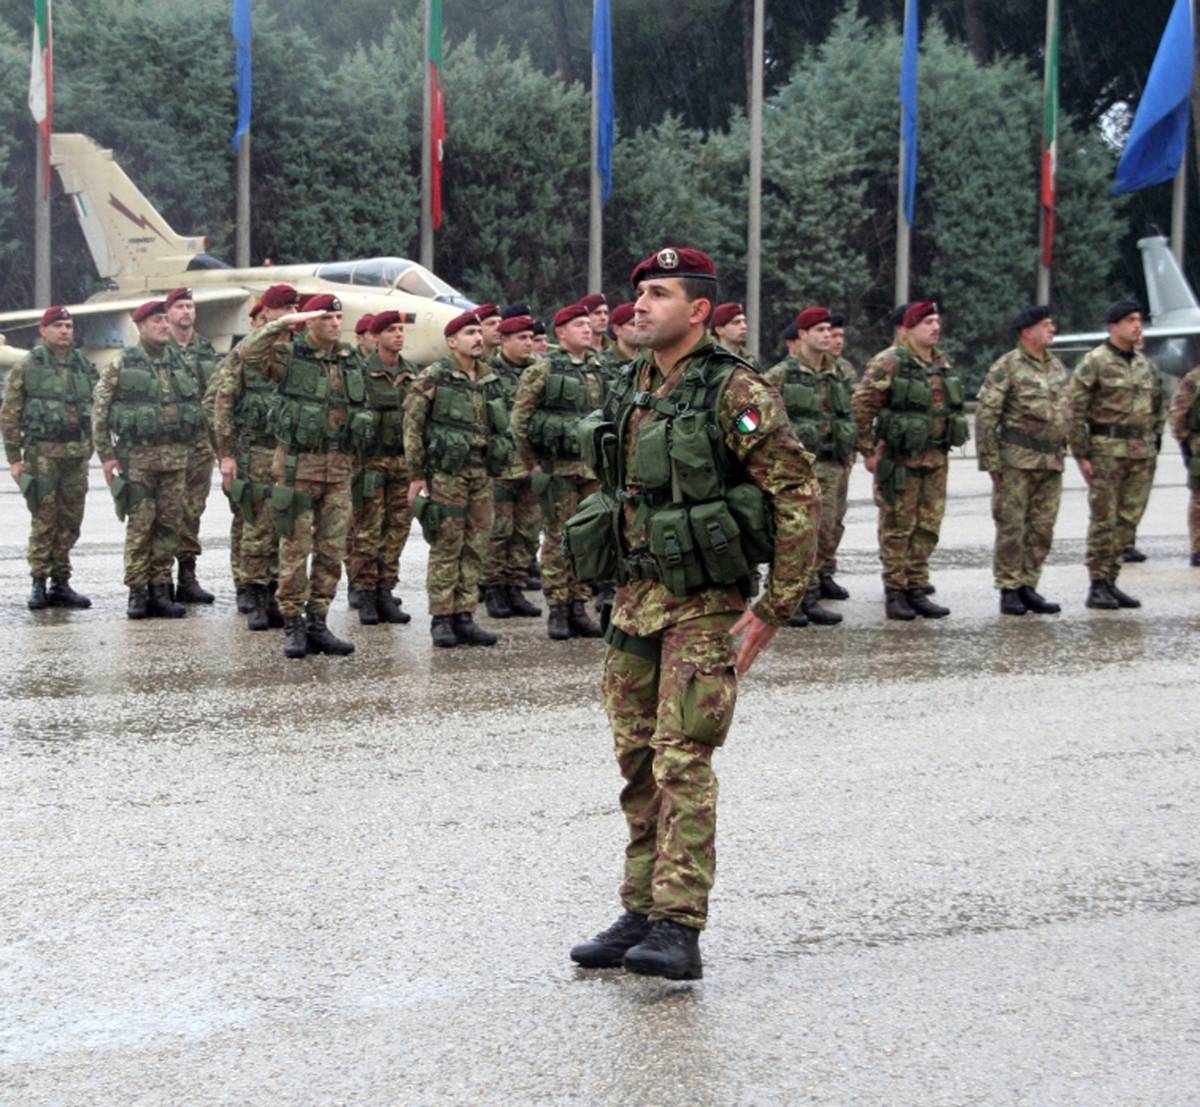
(337, 128)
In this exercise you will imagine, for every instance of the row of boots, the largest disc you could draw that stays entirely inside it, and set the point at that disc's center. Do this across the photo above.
(811, 610)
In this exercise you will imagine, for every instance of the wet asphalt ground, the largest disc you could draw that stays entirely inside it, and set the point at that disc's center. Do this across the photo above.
(959, 861)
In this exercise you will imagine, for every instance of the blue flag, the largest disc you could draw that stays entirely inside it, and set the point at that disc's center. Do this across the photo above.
(1158, 138)
(908, 105)
(602, 59)
(241, 35)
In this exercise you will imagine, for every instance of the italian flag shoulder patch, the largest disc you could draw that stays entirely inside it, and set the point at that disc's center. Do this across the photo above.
(749, 420)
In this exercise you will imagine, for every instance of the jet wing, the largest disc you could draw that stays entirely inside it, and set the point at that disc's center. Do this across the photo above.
(90, 309)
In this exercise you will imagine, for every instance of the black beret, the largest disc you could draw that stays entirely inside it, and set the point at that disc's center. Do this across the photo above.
(539, 327)
(511, 311)
(837, 320)
(1030, 316)
(791, 332)
(1116, 312)
(898, 315)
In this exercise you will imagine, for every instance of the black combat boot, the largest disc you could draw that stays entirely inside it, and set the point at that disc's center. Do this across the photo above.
(1196, 561)
(256, 617)
(295, 637)
(1132, 554)
(441, 627)
(896, 605)
(1100, 597)
(368, 613)
(273, 613)
(558, 625)
(521, 607)
(580, 623)
(470, 634)
(389, 607)
(1012, 602)
(925, 589)
(161, 604)
(924, 606)
(1124, 599)
(245, 599)
(188, 589)
(817, 615)
(353, 598)
(63, 595)
(38, 600)
(670, 949)
(607, 949)
(1037, 603)
(139, 604)
(831, 590)
(495, 598)
(322, 640)
(798, 617)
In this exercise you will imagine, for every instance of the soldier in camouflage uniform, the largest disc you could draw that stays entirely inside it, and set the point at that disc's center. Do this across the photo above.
(198, 354)
(730, 328)
(1021, 428)
(383, 518)
(1117, 419)
(596, 305)
(837, 347)
(908, 409)
(622, 350)
(456, 442)
(320, 420)
(817, 396)
(1184, 419)
(554, 394)
(489, 319)
(684, 567)
(365, 344)
(517, 516)
(145, 418)
(46, 423)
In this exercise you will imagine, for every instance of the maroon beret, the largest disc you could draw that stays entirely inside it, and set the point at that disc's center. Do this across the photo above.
(55, 314)
(726, 313)
(918, 311)
(571, 311)
(675, 261)
(594, 300)
(811, 317)
(257, 309)
(177, 294)
(322, 301)
(280, 296)
(516, 324)
(621, 314)
(150, 307)
(385, 319)
(467, 319)
(486, 311)
(364, 324)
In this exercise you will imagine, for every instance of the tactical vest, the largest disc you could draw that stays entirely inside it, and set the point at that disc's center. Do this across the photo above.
(386, 402)
(203, 359)
(554, 427)
(818, 406)
(139, 414)
(255, 409)
(58, 406)
(707, 524)
(450, 426)
(510, 377)
(906, 424)
(308, 393)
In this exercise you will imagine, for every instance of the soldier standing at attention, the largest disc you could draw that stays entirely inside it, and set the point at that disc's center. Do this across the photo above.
(670, 674)
(364, 339)
(1021, 429)
(597, 309)
(816, 394)
(456, 441)
(489, 322)
(541, 341)
(145, 418)
(1184, 418)
(555, 393)
(47, 427)
(517, 518)
(729, 327)
(622, 350)
(198, 354)
(321, 423)
(909, 413)
(1117, 416)
(837, 347)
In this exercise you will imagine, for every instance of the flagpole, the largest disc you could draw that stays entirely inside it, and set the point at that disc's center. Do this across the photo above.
(903, 230)
(1179, 191)
(41, 227)
(1043, 281)
(243, 203)
(754, 228)
(427, 149)
(595, 203)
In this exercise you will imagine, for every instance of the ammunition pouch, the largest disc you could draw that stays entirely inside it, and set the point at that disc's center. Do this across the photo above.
(35, 489)
(891, 478)
(433, 515)
(246, 495)
(365, 486)
(549, 490)
(958, 430)
(286, 504)
(126, 495)
(592, 538)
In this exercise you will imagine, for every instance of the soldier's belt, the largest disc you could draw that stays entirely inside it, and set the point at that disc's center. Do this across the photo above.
(1015, 438)
(648, 649)
(1111, 430)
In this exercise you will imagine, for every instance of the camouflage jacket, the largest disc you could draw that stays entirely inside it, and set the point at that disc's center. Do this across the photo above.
(530, 394)
(1022, 400)
(1116, 392)
(203, 360)
(1184, 415)
(420, 398)
(848, 370)
(510, 377)
(12, 411)
(172, 455)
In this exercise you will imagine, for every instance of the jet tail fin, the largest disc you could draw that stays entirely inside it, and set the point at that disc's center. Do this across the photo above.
(129, 240)
(1170, 294)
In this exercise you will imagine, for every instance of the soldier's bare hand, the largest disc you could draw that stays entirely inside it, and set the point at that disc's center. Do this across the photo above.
(758, 638)
(110, 470)
(1085, 469)
(294, 317)
(229, 472)
(16, 469)
(871, 461)
(415, 489)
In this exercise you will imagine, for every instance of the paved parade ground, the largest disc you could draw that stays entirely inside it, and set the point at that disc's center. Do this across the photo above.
(959, 861)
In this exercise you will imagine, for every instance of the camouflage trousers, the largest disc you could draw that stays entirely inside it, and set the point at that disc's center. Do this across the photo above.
(668, 714)
(835, 485)
(516, 527)
(380, 529)
(255, 556)
(153, 525)
(320, 531)
(1116, 501)
(1194, 521)
(197, 485)
(909, 528)
(54, 527)
(559, 585)
(457, 554)
(1024, 509)
(236, 526)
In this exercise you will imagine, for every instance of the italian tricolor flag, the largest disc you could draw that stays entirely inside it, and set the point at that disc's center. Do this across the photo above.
(41, 80)
(437, 130)
(1050, 149)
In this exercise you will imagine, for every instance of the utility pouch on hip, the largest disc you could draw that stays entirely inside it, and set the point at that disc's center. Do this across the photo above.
(286, 504)
(126, 495)
(35, 490)
(365, 487)
(549, 490)
(892, 478)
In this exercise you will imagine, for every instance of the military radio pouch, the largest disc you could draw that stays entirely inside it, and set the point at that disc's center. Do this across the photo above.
(591, 538)
(245, 496)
